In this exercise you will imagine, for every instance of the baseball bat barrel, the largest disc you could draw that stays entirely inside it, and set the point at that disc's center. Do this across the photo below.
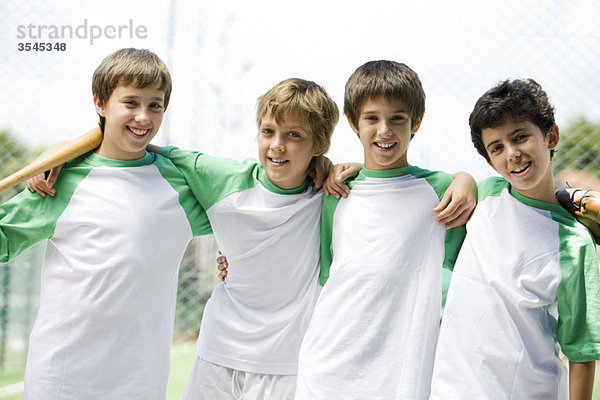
(67, 152)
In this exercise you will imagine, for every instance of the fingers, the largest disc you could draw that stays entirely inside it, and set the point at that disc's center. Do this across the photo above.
(454, 212)
(222, 266)
(319, 177)
(53, 175)
(335, 186)
(463, 217)
(38, 184)
(321, 171)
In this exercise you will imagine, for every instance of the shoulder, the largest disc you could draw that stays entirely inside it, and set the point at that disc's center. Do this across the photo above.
(434, 178)
(438, 180)
(492, 186)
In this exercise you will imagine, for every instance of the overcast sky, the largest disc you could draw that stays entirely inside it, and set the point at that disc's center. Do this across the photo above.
(224, 54)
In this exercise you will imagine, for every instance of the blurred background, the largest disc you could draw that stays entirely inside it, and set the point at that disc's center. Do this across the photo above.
(224, 54)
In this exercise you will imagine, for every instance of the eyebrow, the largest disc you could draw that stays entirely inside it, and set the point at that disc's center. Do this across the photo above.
(510, 134)
(138, 97)
(400, 110)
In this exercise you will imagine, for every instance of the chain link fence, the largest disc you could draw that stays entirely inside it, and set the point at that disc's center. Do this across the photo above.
(223, 55)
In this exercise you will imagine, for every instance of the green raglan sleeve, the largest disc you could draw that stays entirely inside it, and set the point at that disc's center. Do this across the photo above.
(211, 179)
(28, 218)
(196, 214)
(578, 294)
(329, 205)
(454, 238)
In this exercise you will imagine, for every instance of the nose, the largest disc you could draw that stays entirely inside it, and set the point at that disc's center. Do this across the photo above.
(142, 115)
(277, 144)
(384, 129)
(513, 153)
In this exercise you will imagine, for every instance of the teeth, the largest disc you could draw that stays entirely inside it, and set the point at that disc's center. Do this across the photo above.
(139, 132)
(278, 161)
(523, 167)
(385, 145)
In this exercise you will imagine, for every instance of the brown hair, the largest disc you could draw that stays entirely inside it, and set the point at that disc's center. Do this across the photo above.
(130, 67)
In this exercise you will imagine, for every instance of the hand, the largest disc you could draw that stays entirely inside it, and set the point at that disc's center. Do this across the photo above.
(152, 148)
(335, 183)
(42, 185)
(222, 266)
(457, 205)
(318, 170)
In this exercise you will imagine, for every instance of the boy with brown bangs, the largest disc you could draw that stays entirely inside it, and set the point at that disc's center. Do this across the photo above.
(108, 288)
(375, 325)
(526, 285)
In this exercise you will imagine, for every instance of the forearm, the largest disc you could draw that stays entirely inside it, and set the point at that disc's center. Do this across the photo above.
(581, 380)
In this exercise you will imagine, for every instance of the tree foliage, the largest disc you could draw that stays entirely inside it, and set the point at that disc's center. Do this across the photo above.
(579, 147)
(14, 155)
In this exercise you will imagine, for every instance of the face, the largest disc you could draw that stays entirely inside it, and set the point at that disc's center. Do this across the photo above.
(520, 152)
(385, 128)
(285, 151)
(133, 117)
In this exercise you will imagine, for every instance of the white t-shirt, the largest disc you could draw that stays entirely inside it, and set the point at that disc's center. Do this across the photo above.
(524, 287)
(117, 232)
(374, 328)
(256, 319)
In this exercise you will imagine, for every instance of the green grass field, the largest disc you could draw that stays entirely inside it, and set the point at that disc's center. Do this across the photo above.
(182, 360)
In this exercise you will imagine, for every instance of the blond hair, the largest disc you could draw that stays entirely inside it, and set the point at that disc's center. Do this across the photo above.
(305, 101)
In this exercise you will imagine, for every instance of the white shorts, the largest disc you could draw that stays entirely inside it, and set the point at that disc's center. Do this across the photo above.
(213, 382)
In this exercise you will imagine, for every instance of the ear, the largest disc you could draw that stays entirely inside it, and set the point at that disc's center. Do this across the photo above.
(553, 137)
(492, 165)
(354, 128)
(416, 125)
(319, 153)
(99, 106)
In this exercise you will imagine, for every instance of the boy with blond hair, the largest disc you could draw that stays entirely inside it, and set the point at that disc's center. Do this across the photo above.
(265, 216)
(117, 230)
(526, 285)
(374, 327)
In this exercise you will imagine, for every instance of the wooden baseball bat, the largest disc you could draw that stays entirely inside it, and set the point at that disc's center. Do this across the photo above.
(67, 152)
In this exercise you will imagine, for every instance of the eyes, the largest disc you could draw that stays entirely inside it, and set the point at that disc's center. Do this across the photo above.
(394, 119)
(516, 139)
(291, 134)
(154, 106)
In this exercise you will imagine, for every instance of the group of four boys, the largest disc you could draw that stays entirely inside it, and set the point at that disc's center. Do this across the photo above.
(325, 297)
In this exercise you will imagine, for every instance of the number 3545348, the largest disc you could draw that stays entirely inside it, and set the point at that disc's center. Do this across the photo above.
(41, 46)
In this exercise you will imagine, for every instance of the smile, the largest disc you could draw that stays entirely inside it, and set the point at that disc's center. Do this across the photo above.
(521, 168)
(138, 132)
(277, 161)
(385, 145)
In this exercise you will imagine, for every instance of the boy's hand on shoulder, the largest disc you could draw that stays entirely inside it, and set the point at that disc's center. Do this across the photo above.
(152, 148)
(335, 183)
(318, 170)
(457, 205)
(42, 183)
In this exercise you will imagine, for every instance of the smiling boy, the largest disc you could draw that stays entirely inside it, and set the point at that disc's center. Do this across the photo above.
(117, 230)
(526, 285)
(374, 328)
(265, 217)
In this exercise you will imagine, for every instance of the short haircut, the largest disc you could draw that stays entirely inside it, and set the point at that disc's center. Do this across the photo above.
(388, 79)
(139, 68)
(305, 101)
(516, 101)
